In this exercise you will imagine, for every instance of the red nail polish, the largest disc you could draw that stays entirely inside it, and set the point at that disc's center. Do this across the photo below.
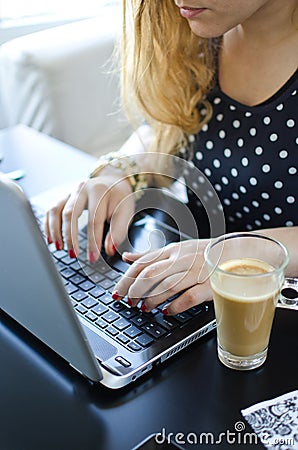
(129, 302)
(72, 253)
(165, 311)
(49, 241)
(114, 249)
(143, 307)
(57, 244)
(92, 258)
(115, 295)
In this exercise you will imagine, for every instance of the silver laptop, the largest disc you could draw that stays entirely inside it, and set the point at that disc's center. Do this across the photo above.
(67, 303)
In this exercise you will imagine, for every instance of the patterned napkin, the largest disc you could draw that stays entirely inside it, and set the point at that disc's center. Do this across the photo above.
(275, 421)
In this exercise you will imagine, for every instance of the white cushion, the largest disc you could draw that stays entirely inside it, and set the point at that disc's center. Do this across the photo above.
(59, 81)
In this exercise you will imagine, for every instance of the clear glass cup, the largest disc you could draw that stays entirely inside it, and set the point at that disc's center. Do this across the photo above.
(246, 274)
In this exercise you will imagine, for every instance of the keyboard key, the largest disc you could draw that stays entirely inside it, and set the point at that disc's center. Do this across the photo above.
(134, 346)
(70, 288)
(76, 265)
(140, 320)
(111, 330)
(195, 310)
(132, 332)
(169, 323)
(154, 330)
(82, 256)
(128, 313)
(106, 284)
(67, 260)
(106, 299)
(117, 306)
(121, 324)
(91, 316)
(76, 279)
(110, 316)
(96, 277)
(144, 340)
(100, 309)
(97, 292)
(73, 302)
(101, 323)
(123, 339)
(183, 317)
(101, 266)
(67, 273)
(87, 286)
(89, 302)
(79, 296)
(88, 270)
(112, 274)
(81, 309)
(58, 254)
(60, 265)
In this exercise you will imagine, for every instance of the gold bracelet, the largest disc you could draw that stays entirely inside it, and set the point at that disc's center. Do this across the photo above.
(128, 166)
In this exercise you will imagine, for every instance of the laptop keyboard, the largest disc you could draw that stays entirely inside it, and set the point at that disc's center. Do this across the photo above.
(90, 286)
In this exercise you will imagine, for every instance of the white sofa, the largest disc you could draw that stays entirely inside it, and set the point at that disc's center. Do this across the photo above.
(60, 81)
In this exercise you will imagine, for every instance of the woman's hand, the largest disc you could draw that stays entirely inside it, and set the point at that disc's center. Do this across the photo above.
(108, 198)
(158, 275)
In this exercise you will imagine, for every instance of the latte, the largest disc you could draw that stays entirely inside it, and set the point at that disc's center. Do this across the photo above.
(245, 297)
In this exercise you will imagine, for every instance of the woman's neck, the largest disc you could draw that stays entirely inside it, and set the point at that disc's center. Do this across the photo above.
(273, 23)
(260, 55)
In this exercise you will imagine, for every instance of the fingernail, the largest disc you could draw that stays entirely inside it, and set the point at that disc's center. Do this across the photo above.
(58, 246)
(143, 307)
(165, 311)
(114, 249)
(49, 241)
(72, 253)
(115, 295)
(92, 257)
(129, 302)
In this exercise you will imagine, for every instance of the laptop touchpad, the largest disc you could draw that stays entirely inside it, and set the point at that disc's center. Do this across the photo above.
(102, 349)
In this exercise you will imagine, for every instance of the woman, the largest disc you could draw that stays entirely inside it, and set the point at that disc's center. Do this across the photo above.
(220, 75)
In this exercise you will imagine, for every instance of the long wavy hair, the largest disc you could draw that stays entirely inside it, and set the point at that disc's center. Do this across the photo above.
(166, 71)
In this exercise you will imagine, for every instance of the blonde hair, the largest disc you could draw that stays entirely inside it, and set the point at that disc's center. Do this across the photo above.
(166, 71)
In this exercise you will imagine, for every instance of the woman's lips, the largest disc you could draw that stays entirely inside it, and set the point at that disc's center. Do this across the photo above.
(188, 12)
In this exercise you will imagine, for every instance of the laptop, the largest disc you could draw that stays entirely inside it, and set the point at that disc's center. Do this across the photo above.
(67, 303)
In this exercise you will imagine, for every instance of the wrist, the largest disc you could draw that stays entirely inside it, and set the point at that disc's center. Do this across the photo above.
(123, 164)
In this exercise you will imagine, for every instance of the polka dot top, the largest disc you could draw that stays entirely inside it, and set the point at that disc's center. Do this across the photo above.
(249, 155)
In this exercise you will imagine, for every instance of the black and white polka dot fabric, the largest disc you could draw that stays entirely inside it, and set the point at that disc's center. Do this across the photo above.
(250, 156)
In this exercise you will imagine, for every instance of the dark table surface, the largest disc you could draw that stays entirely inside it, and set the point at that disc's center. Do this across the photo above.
(44, 404)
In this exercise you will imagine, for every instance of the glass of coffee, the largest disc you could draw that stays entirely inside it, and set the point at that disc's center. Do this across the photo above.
(246, 274)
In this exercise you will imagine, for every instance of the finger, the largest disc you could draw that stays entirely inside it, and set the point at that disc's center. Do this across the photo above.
(122, 287)
(131, 257)
(192, 297)
(119, 223)
(47, 229)
(70, 214)
(97, 207)
(151, 279)
(159, 281)
(54, 223)
(169, 287)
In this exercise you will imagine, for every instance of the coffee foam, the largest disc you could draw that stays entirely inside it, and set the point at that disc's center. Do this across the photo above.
(246, 266)
(243, 287)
